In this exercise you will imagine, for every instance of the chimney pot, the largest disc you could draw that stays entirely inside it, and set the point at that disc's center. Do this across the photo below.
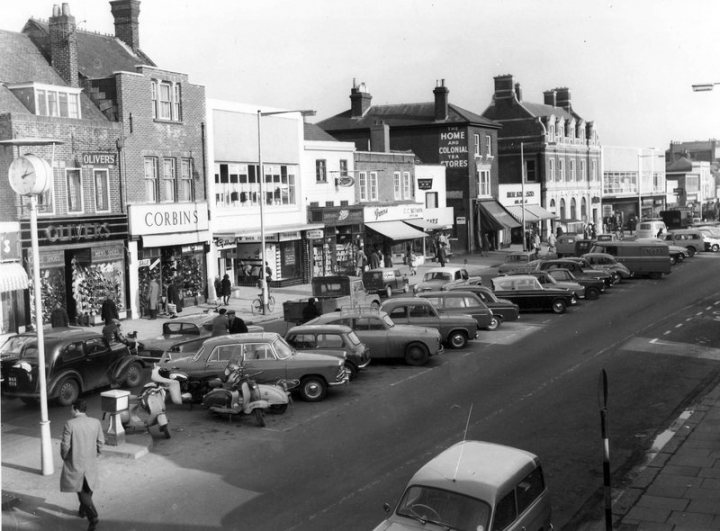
(504, 88)
(63, 44)
(441, 101)
(66, 9)
(360, 100)
(127, 26)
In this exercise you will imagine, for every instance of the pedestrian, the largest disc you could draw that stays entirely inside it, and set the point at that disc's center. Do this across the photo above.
(441, 255)
(552, 243)
(153, 298)
(225, 289)
(220, 323)
(536, 244)
(593, 231)
(485, 244)
(59, 317)
(374, 258)
(218, 290)
(310, 311)
(360, 261)
(235, 324)
(268, 272)
(413, 263)
(81, 443)
(109, 310)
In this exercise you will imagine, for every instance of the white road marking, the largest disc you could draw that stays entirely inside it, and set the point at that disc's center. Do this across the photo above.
(672, 348)
(678, 325)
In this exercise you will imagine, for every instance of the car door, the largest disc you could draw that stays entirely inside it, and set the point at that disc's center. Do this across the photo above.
(260, 358)
(98, 362)
(219, 358)
(302, 341)
(374, 333)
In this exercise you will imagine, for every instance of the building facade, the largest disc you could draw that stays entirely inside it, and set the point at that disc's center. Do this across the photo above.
(690, 185)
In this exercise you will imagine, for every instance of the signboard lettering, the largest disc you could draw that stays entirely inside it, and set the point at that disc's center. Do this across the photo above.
(453, 148)
(99, 158)
(460, 220)
(314, 234)
(9, 249)
(424, 184)
(106, 253)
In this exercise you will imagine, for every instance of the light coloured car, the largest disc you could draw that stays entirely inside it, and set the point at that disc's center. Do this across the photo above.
(437, 277)
(385, 281)
(650, 229)
(711, 237)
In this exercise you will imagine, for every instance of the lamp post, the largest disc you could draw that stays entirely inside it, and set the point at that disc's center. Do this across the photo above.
(522, 193)
(261, 177)
(641, 156)
(704, 87)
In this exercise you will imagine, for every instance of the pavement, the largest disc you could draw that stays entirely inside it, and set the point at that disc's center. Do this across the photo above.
(676, 488)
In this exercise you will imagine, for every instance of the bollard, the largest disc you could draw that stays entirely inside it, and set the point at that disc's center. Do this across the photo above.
(115, 402)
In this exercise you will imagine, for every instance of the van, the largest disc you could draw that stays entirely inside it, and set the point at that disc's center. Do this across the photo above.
(691, 239)
(475, 485)
(650, 258)
(650, 229)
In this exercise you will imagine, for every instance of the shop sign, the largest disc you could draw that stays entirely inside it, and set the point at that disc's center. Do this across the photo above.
(460, 220)
(658, 202)
(342, 216)
(453, 148)
(192, 248)
(678, 191)
(99, 158)
(144, 262)
(106, 253)
(167, 218)
(315, 234)
(51, 259)
(224, 244)
(89, 229)
(393, 212)
(424, 184)
(595, 200)
(9, 248)
(284, 236)
(345, 180)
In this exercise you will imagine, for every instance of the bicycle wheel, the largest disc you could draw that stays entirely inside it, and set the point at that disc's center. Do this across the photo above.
(271, 303)
(256, 306)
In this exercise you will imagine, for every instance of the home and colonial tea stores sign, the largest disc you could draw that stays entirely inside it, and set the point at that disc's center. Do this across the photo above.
(453, 148)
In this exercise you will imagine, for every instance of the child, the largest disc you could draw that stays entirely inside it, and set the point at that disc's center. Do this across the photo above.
(413, 260)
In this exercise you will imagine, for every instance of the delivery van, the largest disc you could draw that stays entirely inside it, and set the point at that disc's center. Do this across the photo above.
(647, 258)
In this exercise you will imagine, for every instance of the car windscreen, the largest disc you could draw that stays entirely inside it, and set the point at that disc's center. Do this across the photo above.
(445, 508)
(354, 339)
(282, 350)
(14, 346)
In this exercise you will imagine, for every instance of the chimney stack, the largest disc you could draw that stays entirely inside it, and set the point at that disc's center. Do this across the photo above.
(441, 101)
(360, 100)
(518, 92)
(127, 28)
(550, 97)
(504, 89)
(63, 44)
(563, 98)
(380, 137)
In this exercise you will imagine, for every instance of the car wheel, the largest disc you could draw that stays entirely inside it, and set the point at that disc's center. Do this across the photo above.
(313, 389)
(715, 248)
(259, 417)
(278, 409)
(416, 354)
(388, 291)
(166, 431)
(691, 251)
(673, 260)
(133, 375)
(592, 293)
(457, 339)
(68, 392)
(495, 323)
(559, 306)
(351, 370)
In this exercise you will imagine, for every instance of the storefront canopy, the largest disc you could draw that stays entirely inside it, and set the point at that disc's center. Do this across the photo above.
(426, 225)
(517, 213)
(395, 230)
(179, 238)
(540, 212)
(273, 229)
(12, 277)
(494, 216)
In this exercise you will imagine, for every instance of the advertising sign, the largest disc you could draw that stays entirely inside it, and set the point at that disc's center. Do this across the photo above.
(453, 148)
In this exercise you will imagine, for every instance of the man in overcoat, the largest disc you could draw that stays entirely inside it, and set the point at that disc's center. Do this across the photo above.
(82, 441)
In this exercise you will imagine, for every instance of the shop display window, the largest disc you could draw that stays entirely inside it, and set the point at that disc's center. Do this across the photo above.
(92, 283)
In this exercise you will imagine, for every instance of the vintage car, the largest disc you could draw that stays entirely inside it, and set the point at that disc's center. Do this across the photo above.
(457, 302)
(437, 277)
(474, 485)
(578, 267)
(564, 278)
(197, 327)
(691, 239)
(266, 356)
(414, 344)
(550, 281)
(77, 360)
(517, 262)
(570, 244)
(608, 263)
(501, 308)
(527, 292)
(385, 281)
(711, 236)
(335, 340)
(455, 330)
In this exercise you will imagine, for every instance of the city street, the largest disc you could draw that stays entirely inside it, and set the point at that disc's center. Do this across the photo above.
(532, 384)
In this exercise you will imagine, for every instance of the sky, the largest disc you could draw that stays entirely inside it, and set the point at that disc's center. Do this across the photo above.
(629, 64)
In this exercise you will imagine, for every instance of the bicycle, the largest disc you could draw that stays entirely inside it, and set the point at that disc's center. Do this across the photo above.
(257, 305)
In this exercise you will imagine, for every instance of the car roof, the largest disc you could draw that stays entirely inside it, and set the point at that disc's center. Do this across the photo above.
(446, 269)
(306, 328)
(462, 290)
(398, 301)
(348, 312)
(249, 337)
(63, 334)
(479, 469)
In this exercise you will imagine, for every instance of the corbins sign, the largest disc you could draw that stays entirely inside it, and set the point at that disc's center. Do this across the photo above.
(168, 218)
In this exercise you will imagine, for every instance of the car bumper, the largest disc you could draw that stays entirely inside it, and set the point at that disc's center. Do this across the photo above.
(364, 363)
(342, 378)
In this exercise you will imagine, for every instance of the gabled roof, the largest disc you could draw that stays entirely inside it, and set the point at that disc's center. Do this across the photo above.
(20, 61)
(404, 114)
(98, 55)
(541, 109)
(313, 132)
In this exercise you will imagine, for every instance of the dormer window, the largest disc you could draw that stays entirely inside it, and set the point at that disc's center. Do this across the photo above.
(49, 100)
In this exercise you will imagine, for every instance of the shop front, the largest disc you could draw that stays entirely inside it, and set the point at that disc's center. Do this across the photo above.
(494, 223)
(169, 244)
(523, 203)
(82, 262)
(390, 231)
(434, 222)
(13, 281)
(334, 248)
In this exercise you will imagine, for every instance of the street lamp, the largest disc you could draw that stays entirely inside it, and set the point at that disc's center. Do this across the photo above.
(703, 87)
(263, 275)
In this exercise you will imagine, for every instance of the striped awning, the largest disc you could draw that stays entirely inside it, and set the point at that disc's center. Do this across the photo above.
(12, 277)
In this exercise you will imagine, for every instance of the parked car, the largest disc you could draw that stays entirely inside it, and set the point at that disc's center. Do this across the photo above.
(414, 344)
(455, 330)
(77, 360)
(593, 287)
(608, 263)
(570, 244)
(711, 237)
(268, 357)
(335, 340)
(385, 281)
(197, 327)
(650, 229)
(456, 302)
(691, 239)
(527, 292)
(501, 308)
(550, 281)
(578, 267)
(474, 485)
(517, 262)
(437, 277)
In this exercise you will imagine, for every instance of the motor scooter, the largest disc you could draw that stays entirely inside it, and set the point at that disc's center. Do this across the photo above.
(241, 394)
(148, 408)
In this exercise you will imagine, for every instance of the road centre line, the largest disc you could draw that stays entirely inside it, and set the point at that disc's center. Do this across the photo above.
(678, 325)
(412, 377)
(673, 348)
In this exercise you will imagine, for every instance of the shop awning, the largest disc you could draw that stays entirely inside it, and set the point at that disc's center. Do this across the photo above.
(274, 229)
(517, 213)
(426, 225)
(12, 277)
(182, 238)
(540, 212)
(494, 216)
(395, 230)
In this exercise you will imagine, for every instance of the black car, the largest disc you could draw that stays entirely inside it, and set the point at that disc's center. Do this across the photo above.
(503, 308)
(77, 360)
(593, 286)
(527, 292)
(578, 267)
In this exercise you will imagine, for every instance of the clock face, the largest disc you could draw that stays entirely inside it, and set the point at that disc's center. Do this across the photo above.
(29, 175)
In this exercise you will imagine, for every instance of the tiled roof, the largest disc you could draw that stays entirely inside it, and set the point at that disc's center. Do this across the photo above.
(313, 132)
(541, 109)
(98, 55)
(403, 114)
(21, 62)
(680, 165)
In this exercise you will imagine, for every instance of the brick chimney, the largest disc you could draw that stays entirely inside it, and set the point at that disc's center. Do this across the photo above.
(441, 101)
(127, 28)
(360, 100)
(518, 92)
(550, 97)
(63, 44)
(380, 137)
(563, 98)
(504, 90)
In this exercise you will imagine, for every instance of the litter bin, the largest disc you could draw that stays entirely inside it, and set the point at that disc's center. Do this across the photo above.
(115, 402)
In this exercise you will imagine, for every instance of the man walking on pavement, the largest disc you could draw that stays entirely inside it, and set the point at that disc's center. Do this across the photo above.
(82, 441)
